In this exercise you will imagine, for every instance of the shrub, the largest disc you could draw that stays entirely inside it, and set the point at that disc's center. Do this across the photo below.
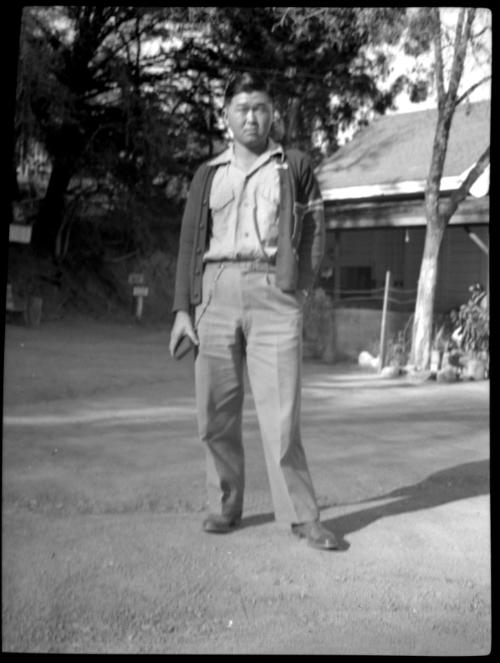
(399, 346)
(472, 323)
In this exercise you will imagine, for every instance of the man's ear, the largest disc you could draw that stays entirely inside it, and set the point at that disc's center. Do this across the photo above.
(277, 127)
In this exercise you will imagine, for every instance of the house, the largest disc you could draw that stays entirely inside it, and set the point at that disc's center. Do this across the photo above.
(373, 189)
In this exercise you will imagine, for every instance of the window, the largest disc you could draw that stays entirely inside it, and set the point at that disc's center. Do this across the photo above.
(355, 278)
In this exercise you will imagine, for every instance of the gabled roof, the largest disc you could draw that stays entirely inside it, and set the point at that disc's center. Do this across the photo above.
(392, 155)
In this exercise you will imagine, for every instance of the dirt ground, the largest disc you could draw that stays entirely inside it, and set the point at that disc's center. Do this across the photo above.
(103, 498)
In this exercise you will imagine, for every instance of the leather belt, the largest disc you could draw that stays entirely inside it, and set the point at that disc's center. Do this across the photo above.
(246, 265)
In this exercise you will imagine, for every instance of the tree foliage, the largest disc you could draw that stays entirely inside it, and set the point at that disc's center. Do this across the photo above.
(130, 97)
(315, 59)
(87, 94)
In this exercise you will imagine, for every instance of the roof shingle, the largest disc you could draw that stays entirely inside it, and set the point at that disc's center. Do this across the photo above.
(398, 148)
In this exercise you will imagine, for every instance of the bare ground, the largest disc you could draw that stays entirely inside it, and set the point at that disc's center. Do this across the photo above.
(103, 497)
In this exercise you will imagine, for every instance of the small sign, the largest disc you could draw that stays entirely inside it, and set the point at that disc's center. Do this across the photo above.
(136, 279)
(140, 291)
(19, 233)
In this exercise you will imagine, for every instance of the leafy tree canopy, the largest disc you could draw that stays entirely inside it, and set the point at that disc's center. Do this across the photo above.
(131, 96)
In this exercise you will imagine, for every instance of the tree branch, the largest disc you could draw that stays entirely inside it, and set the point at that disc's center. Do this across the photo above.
(470, 90)
(438, 54)
(461, 193)
(481, 32)
(282, 20)
(462, 37)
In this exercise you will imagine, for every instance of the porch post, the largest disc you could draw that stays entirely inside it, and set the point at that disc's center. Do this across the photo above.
(336, 265)
(383, 325)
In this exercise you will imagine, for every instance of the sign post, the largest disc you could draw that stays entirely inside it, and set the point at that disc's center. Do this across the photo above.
(30, 306)
(139, 291)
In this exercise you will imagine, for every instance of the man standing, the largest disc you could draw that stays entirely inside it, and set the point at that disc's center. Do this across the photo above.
(251, 244)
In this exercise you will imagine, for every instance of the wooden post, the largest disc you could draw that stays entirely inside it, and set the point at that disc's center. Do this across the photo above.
(383, 327)
(139, 291)
(336, 266)
(139, 300)
(33, 311)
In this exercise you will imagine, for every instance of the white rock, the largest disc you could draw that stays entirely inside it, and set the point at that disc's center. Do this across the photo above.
(475, 369)
(366, 360)
(390, 372)
(448, 374)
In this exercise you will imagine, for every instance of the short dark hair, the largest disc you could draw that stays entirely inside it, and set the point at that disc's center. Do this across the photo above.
(247, 81)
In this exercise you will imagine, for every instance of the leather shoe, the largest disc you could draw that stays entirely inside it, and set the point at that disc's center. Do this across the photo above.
(317, 536)
(220, 524)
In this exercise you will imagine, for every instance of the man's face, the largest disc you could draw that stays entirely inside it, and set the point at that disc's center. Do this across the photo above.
(250, 117)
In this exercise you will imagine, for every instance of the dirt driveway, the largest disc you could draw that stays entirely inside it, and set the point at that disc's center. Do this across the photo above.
(103, 497)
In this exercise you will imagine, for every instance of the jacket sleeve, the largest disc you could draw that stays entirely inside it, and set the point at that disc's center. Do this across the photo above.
(182, 291)
(312, 243)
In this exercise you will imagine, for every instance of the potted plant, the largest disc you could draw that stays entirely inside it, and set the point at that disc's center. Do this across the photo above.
(472, 334)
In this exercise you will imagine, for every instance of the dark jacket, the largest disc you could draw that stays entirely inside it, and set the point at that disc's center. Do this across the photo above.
(301, 230)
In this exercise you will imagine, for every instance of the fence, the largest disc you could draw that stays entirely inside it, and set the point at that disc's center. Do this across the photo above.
(399, 299)
(387, 298)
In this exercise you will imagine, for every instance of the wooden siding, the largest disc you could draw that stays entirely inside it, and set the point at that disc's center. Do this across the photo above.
(413, 251)
(390, 256)
(380, 249)
(462, 263)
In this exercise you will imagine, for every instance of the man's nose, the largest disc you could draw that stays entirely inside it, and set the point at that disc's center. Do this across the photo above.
(251, 115)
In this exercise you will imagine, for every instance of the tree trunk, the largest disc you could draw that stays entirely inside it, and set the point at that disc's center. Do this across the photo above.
(437, 221)
(9, 108)
(51, 212)
(424, 307)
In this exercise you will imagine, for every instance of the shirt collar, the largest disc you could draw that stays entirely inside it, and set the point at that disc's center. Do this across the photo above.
(228, 155)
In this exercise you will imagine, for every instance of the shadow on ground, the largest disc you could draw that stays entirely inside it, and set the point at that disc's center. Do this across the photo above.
(454, 483)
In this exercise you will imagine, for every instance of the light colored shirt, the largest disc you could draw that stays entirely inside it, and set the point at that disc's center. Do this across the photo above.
(244, 207)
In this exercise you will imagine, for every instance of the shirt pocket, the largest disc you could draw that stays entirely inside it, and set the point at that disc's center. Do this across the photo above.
(221, 196)
(222, 201)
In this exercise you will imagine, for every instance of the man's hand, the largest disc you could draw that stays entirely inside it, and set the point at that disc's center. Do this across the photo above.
(182, 327)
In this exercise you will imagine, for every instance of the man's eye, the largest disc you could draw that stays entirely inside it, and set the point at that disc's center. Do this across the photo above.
(256, 109)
